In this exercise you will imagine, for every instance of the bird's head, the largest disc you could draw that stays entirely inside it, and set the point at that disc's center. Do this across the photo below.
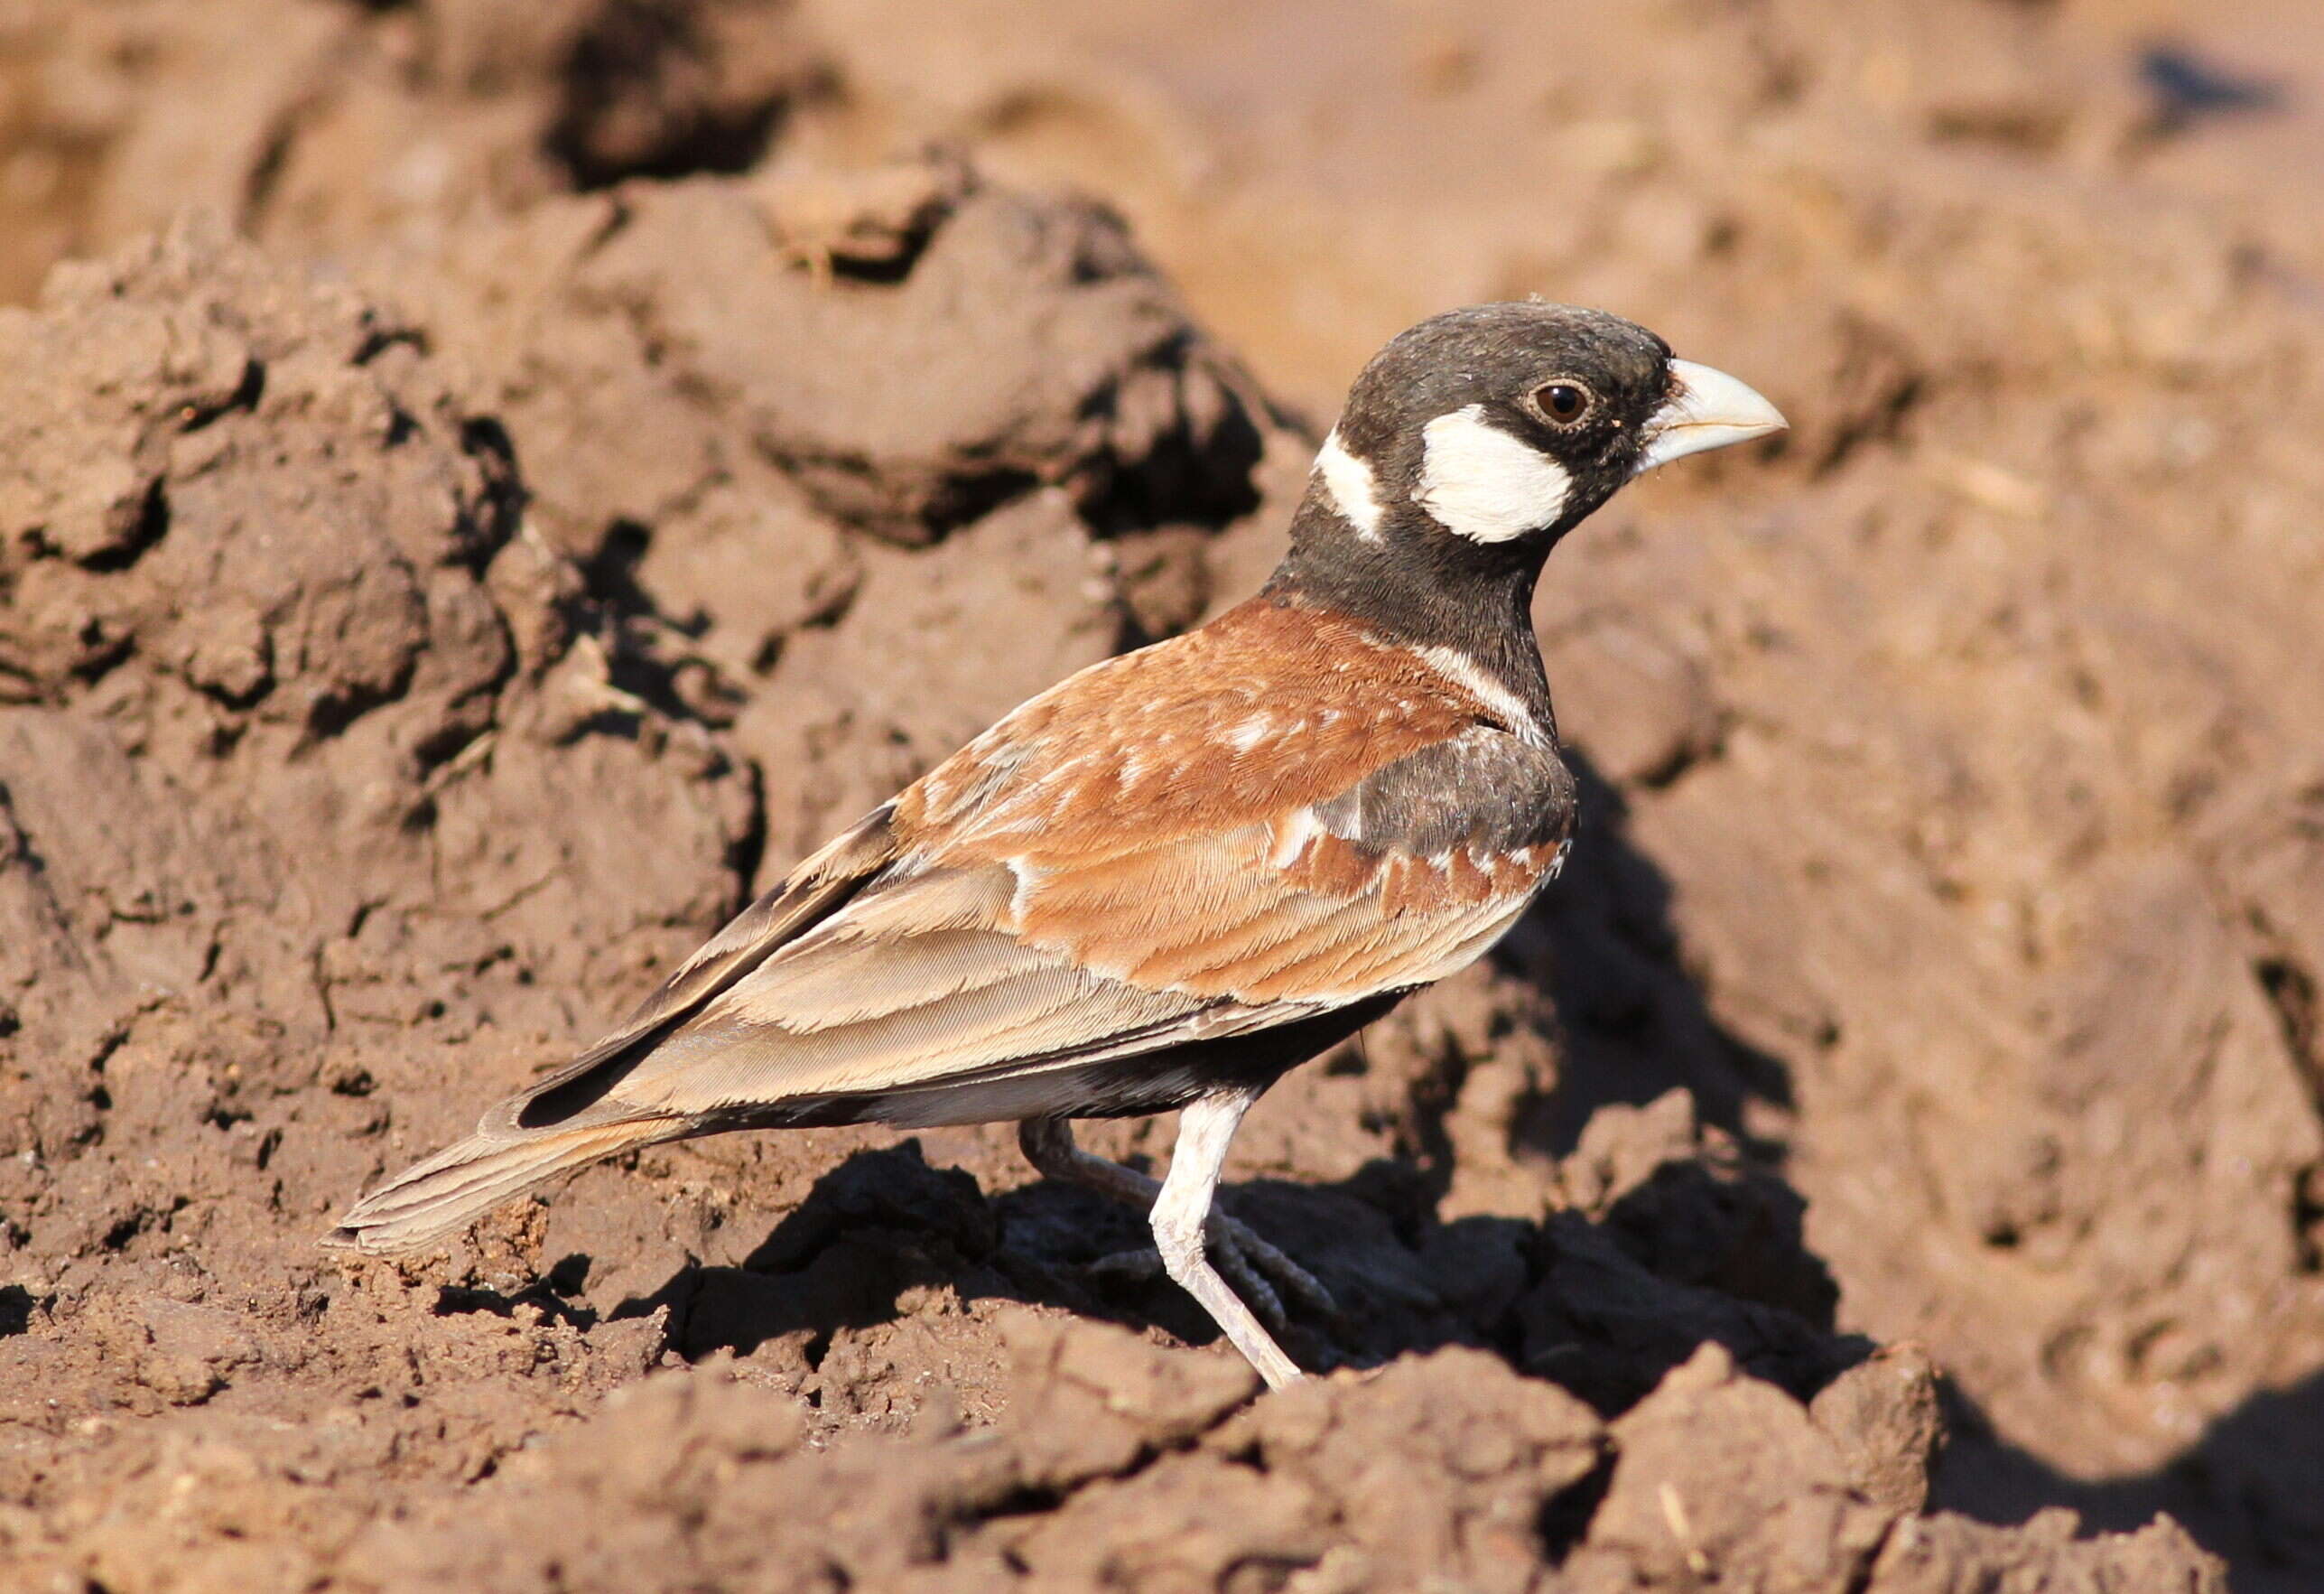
(1481, 435)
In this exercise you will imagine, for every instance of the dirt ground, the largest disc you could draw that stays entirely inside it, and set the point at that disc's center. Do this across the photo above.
(489, 485)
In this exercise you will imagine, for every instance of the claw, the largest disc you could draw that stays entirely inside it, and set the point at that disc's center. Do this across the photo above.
(1280, 1270)
(1231, 1259)
(1259, 1271)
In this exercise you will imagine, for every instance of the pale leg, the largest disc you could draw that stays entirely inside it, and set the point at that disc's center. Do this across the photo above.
(1181, 1215)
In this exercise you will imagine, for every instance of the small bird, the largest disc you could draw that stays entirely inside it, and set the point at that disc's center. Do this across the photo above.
(1185, 869)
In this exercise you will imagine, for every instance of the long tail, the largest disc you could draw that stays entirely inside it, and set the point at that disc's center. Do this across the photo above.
(462, 1182)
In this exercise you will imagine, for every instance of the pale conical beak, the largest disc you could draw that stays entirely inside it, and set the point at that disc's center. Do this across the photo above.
(1707, 409)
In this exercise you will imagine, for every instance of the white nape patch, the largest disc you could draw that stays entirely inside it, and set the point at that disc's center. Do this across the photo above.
(1348, 481)
(1495, 696)
(1479, 482)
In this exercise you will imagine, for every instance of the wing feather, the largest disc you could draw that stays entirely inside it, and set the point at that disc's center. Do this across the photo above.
(968, 971)
(732, 1059)
(835, 985)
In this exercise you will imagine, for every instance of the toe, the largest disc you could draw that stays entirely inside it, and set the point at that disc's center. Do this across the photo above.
(1283, 1274)
(1136, 1266)
(1229, 1257)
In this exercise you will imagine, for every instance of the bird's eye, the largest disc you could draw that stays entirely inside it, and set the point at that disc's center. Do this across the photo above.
(1564, 402)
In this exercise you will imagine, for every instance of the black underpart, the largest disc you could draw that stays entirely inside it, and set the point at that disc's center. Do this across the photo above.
(1160, 1081)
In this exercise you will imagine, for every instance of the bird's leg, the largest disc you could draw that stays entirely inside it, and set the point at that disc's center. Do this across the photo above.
(1257, 1269)
(1182, 1216)
(1048, 1145)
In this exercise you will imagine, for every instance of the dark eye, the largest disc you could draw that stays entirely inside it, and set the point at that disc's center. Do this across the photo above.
(1564, 402)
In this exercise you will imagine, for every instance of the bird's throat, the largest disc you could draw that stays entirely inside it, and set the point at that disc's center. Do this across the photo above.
(1479, 609)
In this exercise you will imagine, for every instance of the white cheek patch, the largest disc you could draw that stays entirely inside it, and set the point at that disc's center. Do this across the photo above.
(1348, 481)
(1479, 482)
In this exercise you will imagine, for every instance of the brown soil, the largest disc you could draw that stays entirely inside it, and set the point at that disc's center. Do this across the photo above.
(578, 453)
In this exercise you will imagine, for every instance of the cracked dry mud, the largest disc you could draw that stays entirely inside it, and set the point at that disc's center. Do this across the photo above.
(570, 460)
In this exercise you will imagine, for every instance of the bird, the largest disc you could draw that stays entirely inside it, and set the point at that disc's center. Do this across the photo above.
(1185, 870)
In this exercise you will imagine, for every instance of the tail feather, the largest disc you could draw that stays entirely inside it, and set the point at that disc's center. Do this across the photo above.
(463, 1182)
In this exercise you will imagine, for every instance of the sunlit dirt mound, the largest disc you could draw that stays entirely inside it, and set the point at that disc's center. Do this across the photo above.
(567, 464)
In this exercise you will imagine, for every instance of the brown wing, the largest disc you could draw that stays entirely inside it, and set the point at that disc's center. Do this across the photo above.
(1158, 850)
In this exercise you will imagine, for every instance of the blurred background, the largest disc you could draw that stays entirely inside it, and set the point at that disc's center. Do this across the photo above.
(1951, 894)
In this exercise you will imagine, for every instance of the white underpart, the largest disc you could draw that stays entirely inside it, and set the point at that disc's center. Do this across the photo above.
(1495, 696)
(1479, 482)
(1348, 481)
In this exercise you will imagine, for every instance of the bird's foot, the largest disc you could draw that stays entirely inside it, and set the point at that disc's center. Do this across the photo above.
(1259, 1272)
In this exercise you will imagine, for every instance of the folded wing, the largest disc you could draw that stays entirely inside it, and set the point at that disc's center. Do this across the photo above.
(1161, 863)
